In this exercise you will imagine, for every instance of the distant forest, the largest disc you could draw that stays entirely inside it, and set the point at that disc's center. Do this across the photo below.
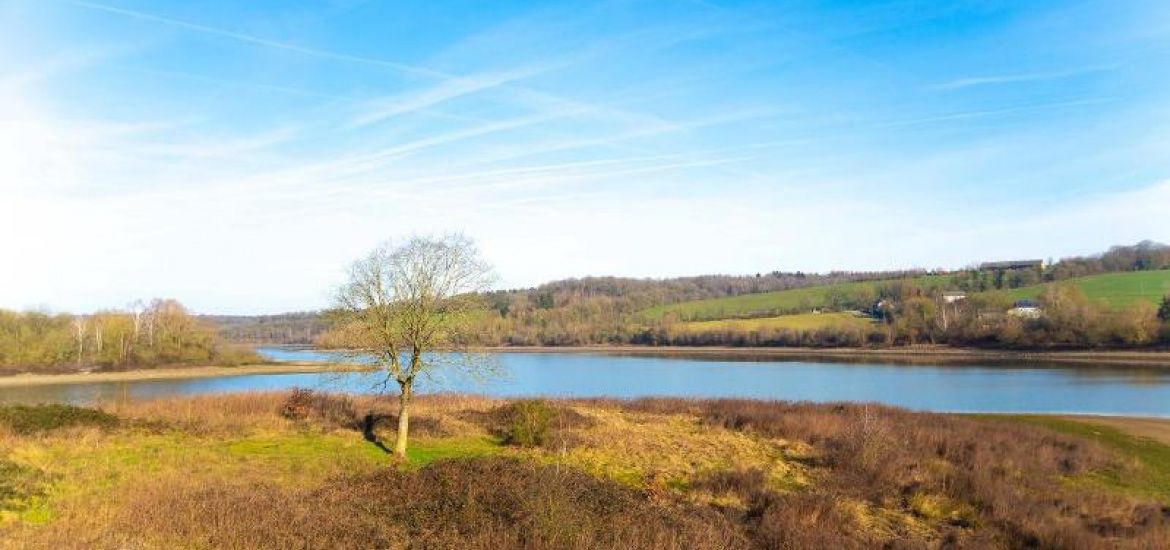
(299, 328)
(605, 310)
(595, 298)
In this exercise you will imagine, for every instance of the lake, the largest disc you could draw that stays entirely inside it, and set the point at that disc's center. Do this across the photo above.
(1037, 389)
(967, 388)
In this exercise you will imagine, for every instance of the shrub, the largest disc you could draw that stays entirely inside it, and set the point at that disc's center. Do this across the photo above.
(332, 410)
(1007, 480)
(534, 422)
(530, 423)
(31, 419)
(491, 503)
(17, 484)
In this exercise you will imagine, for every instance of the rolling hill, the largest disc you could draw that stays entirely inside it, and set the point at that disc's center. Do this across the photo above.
(797, 322)
(771, 304)
(1116, 289)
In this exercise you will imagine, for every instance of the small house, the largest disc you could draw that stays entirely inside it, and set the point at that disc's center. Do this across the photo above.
(1012, 265)
(1027, 309)
(952, 296)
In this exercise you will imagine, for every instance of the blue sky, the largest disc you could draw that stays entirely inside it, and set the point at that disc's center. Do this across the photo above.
(237, 155)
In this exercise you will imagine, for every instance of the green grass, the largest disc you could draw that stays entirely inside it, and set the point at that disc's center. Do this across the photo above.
(88, 466)
(31, 419)
(1118, 290)
(771, 303)
(1152, 478)
(1115, 289)
(421, 452)
(798, 322)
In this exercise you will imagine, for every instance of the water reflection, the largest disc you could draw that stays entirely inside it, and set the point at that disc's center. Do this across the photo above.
(954, 387)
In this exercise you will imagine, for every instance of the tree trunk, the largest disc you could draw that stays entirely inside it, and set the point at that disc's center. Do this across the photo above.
(403, 420)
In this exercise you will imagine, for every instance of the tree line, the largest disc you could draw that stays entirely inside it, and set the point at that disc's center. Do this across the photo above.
(161, 332)
(605, 310)
(298, 328)
(1144, 256)
(906, 315)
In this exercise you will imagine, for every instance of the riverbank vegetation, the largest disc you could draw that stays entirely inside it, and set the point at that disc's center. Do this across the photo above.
(1118, 289)
(272, 471)
(1105, 301)
(160, 333)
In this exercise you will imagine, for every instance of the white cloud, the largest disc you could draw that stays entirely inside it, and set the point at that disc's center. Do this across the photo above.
(987, 80)
(380, 110)
(97, 210)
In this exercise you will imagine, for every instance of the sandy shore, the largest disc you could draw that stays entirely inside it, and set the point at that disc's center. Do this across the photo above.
(915, 354)
(168, 374)
(1157, 429)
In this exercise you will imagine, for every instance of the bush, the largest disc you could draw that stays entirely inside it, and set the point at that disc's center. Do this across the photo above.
(1009, 481)
(530, 423)
(332, 410)
(491, 503)
(17, 484)
(534, 422)
(31, 419)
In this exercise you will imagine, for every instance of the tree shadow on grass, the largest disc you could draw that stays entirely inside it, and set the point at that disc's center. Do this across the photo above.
(368, 423)
(421, 425)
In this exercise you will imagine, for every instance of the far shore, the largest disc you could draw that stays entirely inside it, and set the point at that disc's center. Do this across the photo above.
(913, 354)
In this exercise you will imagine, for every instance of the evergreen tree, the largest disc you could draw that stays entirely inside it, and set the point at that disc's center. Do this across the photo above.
(1164, 311)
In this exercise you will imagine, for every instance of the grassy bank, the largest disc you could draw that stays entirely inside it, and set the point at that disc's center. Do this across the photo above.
(272, 471)
(1144, 441)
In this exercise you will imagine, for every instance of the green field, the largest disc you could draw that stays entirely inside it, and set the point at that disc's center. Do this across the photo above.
(798, 322)
(1116, 289)
(767, 304)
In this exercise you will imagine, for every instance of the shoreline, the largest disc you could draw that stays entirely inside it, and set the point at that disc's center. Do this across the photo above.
(1156, 428)
(916, 354)
(169, 373)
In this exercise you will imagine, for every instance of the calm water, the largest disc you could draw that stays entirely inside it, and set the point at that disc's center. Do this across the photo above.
(1030, 388)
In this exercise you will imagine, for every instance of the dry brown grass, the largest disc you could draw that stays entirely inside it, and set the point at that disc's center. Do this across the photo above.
(479, 503)
(973, 483)
(652, 473)
(242, 414)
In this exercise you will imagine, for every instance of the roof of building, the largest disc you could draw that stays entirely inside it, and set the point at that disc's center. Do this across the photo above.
(1027, 303)
(954, 293)
(1012, 264)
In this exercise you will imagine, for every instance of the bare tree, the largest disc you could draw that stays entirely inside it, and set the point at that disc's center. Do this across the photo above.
(79, 326)
(410, 307)
(137, 308)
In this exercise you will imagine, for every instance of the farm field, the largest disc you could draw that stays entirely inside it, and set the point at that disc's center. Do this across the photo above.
(771, 304)
(1118, 290)
(801, 321)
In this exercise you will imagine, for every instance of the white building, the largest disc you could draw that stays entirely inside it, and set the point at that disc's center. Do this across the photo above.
(952, 296)
(1027, 309)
